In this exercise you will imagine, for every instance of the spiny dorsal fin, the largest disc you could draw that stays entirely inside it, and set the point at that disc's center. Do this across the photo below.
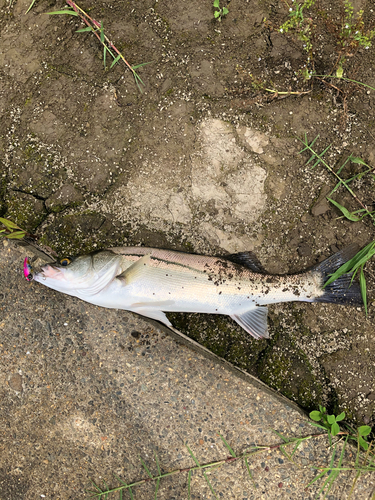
(247, 259)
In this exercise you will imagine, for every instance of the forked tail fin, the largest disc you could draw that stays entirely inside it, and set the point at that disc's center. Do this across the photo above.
(343, 290)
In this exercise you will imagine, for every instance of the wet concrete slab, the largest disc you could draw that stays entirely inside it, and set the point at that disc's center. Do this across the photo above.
(86, 391)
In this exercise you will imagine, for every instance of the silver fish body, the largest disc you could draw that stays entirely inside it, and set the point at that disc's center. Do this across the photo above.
(151, 281)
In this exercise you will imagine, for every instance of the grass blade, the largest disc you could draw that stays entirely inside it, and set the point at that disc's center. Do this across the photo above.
(30, 6)
(115, 61)
(353, 264)
(96, 486)
(281, 436)
(101, 32)
(136, 66)
(146, 469)
(156, 488)
(319, 476)
(299, 441)
(189, 483)
(345, 211)
(66, 11)
(9, 224)
(210, 485)
(282, 449)
(104, 55)
(192, 455)
(227, 446)
(249, 471)
(157, 463)
(83, 30)
(16, 235)
(362, 284)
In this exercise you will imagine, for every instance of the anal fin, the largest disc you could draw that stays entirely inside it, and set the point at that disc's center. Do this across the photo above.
(254, 322)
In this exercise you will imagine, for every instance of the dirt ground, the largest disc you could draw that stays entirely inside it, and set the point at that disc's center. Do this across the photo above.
(204, 160)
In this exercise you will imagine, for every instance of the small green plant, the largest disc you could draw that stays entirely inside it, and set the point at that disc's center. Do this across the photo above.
(98, 30)
(11, 230)
(305, 21)
(219, 12)
(358, 262)
(359, 436)
(329, 423)
(317, 158)
(103, 493)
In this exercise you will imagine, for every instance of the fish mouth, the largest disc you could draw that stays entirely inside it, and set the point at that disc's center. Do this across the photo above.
(46, 271)
(51, 271)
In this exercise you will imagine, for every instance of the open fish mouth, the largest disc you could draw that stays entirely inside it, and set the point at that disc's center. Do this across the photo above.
(46, 271)
(49, 271)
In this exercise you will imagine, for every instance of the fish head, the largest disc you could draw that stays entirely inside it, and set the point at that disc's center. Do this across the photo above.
(83, 275)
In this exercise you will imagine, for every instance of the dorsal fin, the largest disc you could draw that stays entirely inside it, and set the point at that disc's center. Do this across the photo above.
(247, 259)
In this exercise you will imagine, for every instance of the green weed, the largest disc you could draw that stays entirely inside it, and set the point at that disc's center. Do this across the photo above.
(317, 158)
(10, 230)
(97, 29)
(358, 262)
(330, 473)
(305, 21)
(288, 447)
(219, 12)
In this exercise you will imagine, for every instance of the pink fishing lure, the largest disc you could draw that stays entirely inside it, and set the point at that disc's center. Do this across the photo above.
(27, 269)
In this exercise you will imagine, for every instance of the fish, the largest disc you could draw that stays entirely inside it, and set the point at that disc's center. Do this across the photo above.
(151, 282)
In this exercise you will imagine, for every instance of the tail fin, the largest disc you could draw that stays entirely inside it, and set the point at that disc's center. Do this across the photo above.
(343, 290)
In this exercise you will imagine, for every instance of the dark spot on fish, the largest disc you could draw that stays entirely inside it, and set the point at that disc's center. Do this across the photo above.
(135, 334)
(296, 292)
(239, 288)
(284, 290)
(269, 280)
(220, 293)
(266, 291)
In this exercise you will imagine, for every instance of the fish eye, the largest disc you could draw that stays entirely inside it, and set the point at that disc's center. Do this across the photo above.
(65, 262)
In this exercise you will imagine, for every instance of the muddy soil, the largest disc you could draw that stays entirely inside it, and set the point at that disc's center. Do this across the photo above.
(203, 160)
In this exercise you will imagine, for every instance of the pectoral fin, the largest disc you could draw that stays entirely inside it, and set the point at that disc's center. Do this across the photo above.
(136, 270)
(254, 322)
